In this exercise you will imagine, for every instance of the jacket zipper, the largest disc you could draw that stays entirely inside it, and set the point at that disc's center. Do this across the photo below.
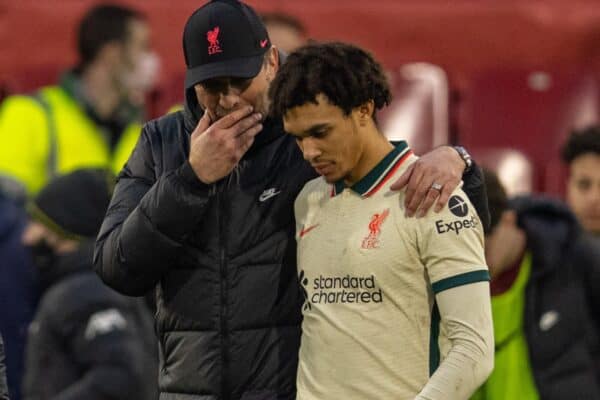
(223, 315)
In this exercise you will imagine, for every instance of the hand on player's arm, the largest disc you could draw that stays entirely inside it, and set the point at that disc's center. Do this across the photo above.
(443, 166)
(216, 148)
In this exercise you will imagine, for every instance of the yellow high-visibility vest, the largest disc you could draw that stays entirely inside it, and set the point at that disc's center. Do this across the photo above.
(50, 134)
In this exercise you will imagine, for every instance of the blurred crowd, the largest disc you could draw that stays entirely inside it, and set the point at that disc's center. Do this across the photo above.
(66, 335)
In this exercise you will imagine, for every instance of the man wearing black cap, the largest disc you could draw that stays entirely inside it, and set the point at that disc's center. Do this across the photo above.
(203, 213)
(86, 341)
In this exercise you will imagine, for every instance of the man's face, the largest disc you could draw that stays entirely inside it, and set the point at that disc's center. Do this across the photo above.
(36, 233)
(583, 190)
(139, 66)
(503, 243)
(329, 140)
(221, 96)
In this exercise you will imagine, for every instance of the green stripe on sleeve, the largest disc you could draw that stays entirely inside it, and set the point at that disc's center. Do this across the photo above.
(462, 279)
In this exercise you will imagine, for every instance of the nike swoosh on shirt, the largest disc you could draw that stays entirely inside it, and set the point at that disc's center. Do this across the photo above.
(304, 231)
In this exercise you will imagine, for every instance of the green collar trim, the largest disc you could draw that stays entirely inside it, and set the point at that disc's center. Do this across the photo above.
(371, 182)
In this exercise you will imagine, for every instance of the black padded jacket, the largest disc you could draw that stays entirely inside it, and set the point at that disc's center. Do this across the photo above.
(562, 309)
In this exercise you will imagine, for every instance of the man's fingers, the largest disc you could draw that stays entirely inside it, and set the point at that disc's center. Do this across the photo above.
(233, 118)
(411, 188)
(249, 134)
(444, 196)
(202, 126)
(245, 124)
(403, 180)
(420, 192)
(430, 198)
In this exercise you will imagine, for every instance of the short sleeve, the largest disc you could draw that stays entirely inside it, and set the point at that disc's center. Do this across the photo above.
(450, 244)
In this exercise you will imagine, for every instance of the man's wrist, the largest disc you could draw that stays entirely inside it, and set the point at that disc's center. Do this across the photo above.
(188, 175)
(465, 156)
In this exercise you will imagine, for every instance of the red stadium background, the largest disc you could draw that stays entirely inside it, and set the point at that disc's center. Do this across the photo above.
(521, 74)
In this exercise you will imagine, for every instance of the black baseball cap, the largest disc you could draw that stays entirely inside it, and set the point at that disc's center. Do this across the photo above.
(224, 38)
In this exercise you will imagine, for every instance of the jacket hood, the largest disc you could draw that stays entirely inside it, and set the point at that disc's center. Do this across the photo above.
(550, 228)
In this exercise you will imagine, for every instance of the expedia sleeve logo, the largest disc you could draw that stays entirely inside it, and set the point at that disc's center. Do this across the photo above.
(459, 207)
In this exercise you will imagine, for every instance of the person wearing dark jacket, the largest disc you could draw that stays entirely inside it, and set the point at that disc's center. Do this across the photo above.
(3, 384)
(545, 300)
(203, 213)
(19, 292)
(86, 340)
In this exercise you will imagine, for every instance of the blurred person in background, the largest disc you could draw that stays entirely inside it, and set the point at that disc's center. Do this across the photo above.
(285, 31)
(92, 117)
(3, 384)
(581, 153)
(86, 341)
(203, 213)
(545, 300)
(19, 291)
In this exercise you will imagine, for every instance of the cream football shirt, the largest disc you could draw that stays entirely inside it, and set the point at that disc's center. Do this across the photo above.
(371, 327)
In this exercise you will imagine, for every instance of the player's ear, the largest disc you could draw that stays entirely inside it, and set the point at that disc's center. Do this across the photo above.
(364, 112)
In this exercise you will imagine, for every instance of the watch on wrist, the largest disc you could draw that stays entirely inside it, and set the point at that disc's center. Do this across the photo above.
(462, 152)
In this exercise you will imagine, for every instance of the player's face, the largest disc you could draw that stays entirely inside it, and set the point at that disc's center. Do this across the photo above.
(583, 190)
(329, 140)
(504, 243)
(221, 96)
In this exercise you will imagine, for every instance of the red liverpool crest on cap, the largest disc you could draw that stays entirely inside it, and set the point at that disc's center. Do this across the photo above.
(213, 41)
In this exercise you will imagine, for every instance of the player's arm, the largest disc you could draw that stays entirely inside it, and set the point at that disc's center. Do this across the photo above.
(450, 245)
(466, 316)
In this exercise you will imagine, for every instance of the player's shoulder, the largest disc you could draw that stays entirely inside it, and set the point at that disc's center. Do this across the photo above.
(312, 194)
(315, 189)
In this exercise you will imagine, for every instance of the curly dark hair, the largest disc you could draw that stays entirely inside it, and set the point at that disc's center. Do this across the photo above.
(347, 75)
(581, 142)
